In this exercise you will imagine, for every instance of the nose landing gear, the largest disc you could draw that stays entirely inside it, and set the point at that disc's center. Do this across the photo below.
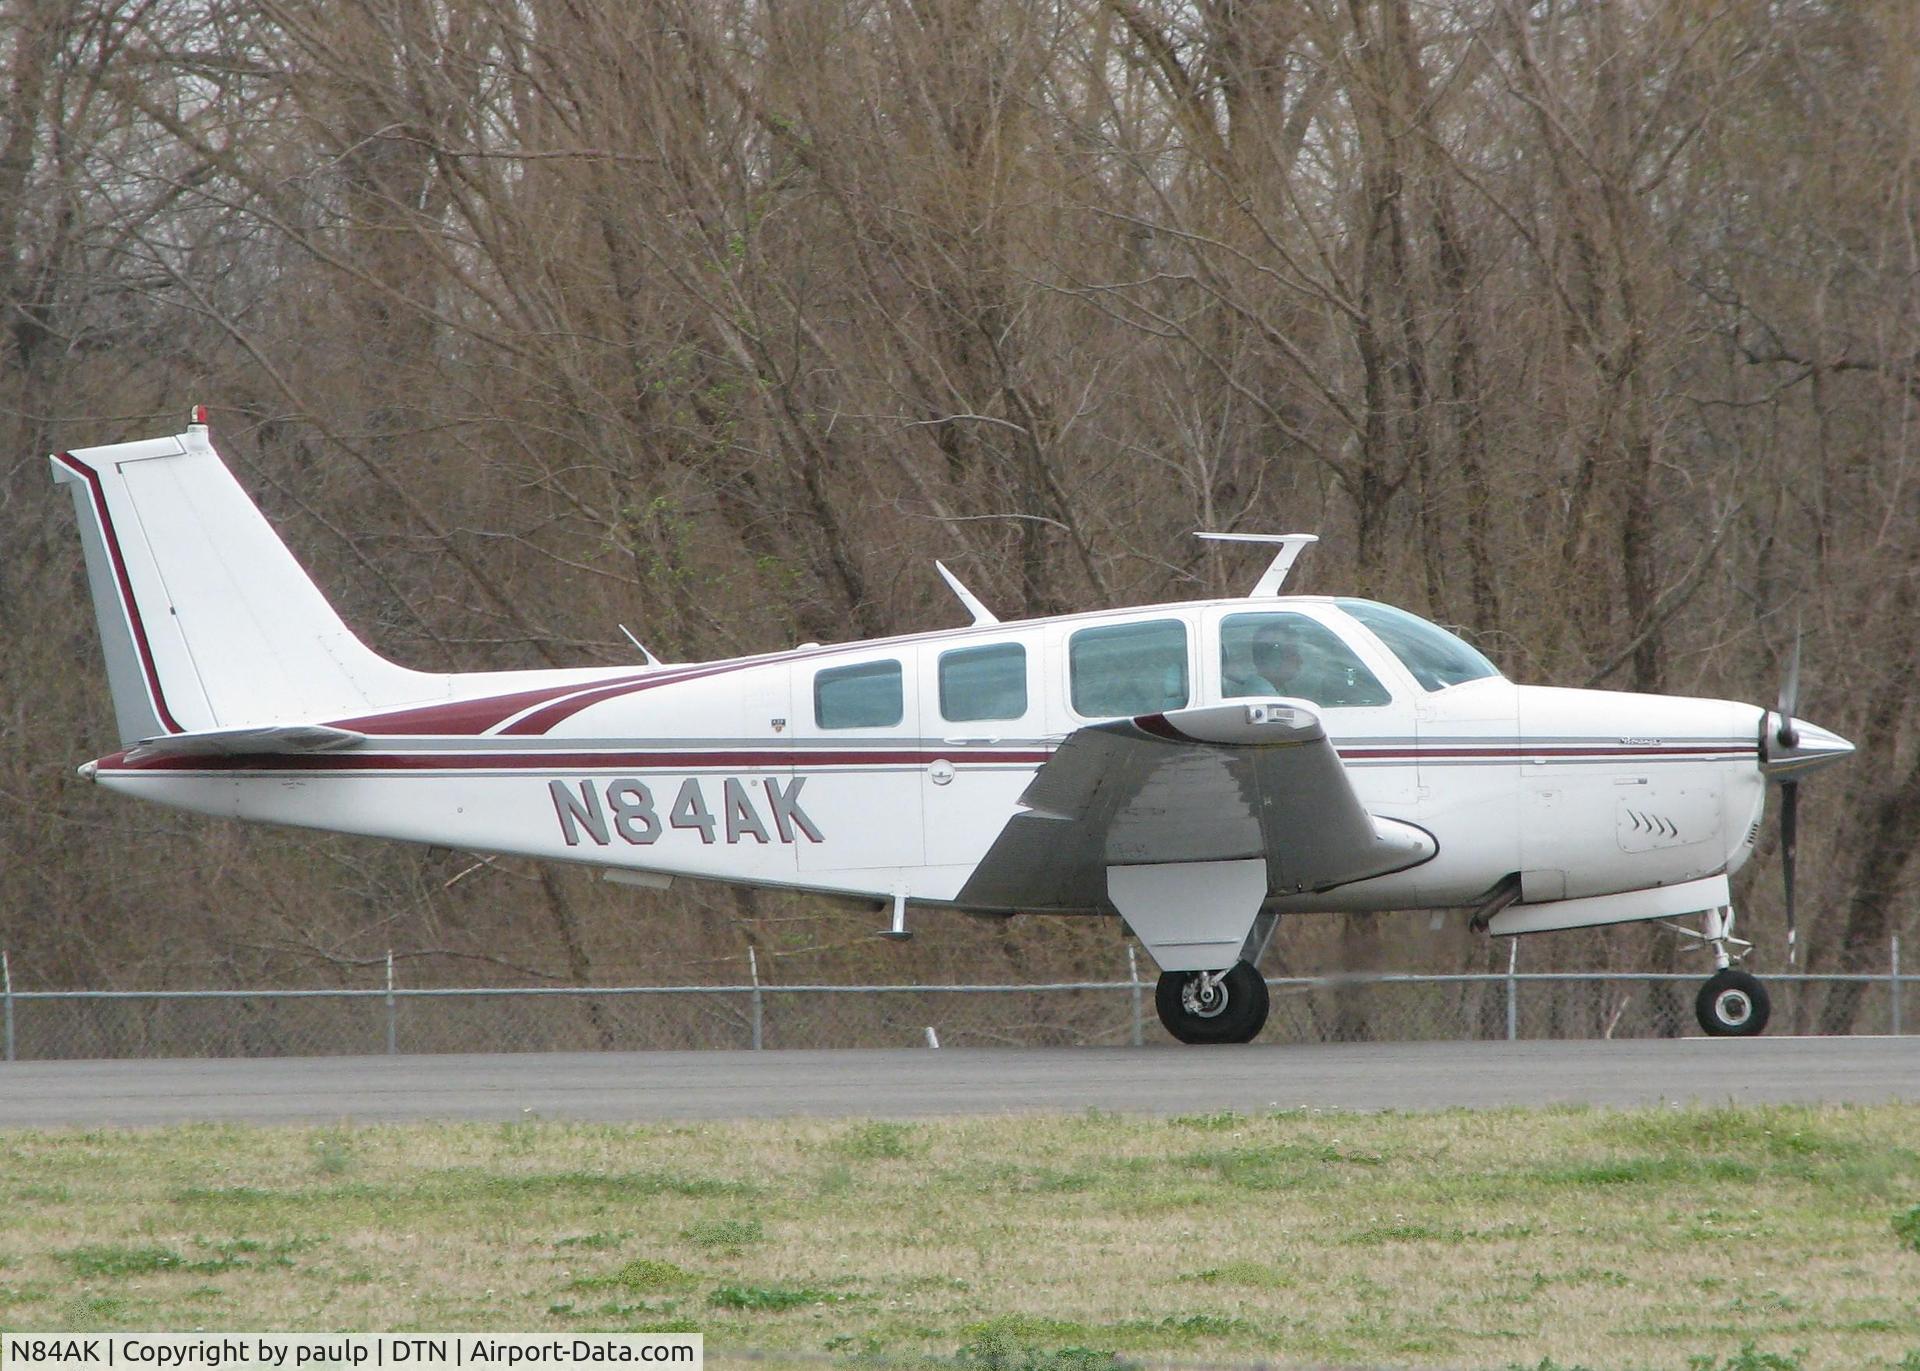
(1212, 1006)
(1732, 1004)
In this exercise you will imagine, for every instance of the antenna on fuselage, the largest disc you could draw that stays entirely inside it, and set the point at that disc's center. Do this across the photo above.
(651, 659)
(1291, 546)
(981, 614)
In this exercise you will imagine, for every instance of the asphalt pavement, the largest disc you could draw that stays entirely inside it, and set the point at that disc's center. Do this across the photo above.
(643, 1087)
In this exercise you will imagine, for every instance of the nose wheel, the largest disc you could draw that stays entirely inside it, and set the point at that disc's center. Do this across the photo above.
(1212, 1006)
(1732, 1004)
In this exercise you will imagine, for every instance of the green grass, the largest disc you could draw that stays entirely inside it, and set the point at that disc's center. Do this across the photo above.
(641, 1274)
(1907, 1226)
(87, 1262)
(770, 1297)
(724, 1235)
(1650, 1240)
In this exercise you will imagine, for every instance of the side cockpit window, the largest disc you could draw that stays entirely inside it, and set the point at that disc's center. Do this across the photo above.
(868, 695)
(1129, 669)
(1292, 655)
(983, 683)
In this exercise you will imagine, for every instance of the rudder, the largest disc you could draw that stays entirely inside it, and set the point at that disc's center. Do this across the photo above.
(206, 618)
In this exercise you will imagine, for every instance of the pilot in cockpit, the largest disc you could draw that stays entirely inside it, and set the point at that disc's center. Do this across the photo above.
(1267, 664)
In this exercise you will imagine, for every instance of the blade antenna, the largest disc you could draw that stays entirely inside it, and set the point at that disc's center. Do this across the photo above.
(981, 614)
(651, 659)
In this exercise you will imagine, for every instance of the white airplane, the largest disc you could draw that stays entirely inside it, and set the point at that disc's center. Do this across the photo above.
(1198, 768)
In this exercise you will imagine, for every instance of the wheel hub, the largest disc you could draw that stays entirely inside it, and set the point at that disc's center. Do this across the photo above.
(1205, 994)
(1733, 1007)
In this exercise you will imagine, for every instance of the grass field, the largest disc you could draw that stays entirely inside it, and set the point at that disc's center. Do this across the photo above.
(1749, 1239)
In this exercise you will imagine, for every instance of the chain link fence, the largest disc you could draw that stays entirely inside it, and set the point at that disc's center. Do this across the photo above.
(71, 1024)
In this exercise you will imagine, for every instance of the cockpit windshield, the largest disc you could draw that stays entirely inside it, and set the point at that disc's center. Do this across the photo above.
(1435, 657)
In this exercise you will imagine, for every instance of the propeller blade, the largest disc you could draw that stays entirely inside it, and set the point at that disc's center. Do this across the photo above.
(1789, 841)
(1790, 694)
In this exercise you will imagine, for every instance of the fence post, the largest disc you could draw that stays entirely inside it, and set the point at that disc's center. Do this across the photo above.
(1513, 1007)
(1893, 978)
(759, 1001)
(1133, 974)
(392, 1027)
(6, 974)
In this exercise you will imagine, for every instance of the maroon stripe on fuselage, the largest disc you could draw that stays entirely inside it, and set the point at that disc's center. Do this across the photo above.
(1518, 752)
(555, 760)
(541, 720)
(132, 607)
(458, 718)
(749, 759)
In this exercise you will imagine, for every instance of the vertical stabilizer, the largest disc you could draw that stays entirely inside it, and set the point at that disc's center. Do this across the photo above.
(206, 619)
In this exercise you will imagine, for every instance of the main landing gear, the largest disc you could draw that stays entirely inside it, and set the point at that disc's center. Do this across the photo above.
(1212, 1006)
(1732, 1004)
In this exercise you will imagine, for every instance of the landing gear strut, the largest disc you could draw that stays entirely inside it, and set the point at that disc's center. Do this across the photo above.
(1732, 1004)
(1212, 1006)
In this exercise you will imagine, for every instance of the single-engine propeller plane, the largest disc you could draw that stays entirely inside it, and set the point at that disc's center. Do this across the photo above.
(1200, 769)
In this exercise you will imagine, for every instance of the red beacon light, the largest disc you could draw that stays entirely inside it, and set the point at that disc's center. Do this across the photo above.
(198, 419)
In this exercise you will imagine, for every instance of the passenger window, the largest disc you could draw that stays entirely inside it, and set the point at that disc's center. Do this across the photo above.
(1129, 669)
(1290, 654)
(865, 696)
(983, 683)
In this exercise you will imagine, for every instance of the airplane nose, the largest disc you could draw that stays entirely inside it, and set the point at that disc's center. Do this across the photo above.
(1812, 748)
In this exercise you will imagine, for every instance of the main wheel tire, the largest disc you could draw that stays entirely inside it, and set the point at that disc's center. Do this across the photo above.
(1733, 1004)
(1234, 1012)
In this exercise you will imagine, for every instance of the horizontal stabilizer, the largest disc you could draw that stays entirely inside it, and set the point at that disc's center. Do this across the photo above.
(265, 740)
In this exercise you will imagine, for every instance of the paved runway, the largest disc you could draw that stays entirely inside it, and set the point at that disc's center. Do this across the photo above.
(646, 1086)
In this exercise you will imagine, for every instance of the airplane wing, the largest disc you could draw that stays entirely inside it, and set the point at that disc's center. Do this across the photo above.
(1213, 784)
(260, 740)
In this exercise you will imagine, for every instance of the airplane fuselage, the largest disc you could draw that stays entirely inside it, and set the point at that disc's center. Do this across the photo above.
(753, 770)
